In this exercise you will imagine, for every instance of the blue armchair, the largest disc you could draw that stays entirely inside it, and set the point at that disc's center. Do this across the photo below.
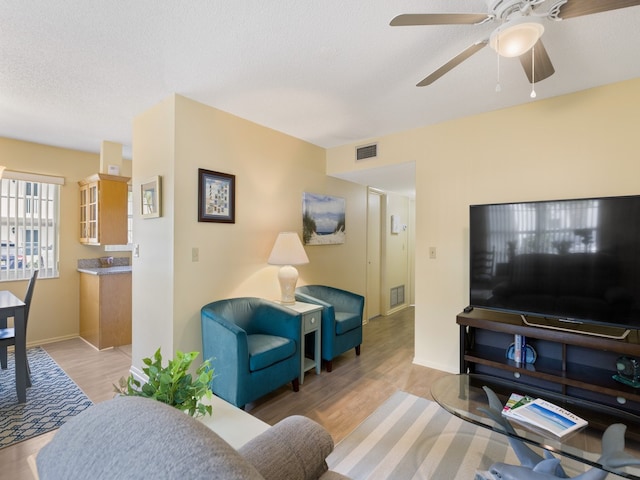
(341, 319)
(254, 345)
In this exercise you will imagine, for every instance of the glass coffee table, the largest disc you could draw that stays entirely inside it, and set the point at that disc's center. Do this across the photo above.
(463, 396)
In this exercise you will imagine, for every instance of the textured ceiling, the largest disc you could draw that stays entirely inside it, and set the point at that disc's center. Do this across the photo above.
(331, 72)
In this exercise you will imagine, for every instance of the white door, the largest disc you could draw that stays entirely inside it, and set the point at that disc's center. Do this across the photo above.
(373, 254)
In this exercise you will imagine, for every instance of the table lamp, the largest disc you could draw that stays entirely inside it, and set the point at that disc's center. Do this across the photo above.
(288, 251)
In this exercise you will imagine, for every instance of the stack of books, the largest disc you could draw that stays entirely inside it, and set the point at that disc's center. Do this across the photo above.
(542, 415)
(538, 415)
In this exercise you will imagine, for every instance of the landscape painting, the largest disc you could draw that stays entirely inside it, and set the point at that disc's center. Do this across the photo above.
(323, 219)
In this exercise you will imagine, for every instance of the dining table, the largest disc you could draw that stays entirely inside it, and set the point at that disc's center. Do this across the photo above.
(12, 306)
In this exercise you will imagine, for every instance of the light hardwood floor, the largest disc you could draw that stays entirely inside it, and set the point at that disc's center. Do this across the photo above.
(339, 400)
(344, 398)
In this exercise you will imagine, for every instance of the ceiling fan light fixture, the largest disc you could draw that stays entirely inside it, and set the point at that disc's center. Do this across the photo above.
(516, 36)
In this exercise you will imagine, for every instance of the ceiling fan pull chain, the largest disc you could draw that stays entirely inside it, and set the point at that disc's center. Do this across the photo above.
(498, 87)
(533, 72)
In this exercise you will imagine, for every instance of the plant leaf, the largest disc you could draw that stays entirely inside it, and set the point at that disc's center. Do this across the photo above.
(173, 384)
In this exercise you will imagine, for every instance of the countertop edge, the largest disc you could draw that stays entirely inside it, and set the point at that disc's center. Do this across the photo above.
(106, 270)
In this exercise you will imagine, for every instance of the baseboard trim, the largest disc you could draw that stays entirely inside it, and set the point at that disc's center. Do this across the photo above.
(38, 343)
(435, 366)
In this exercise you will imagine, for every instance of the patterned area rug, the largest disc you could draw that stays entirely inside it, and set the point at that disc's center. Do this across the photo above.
(413, 438)
(52, 399)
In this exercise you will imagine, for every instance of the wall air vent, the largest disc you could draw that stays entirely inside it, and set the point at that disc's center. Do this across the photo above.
(367, 151)
(397, 296)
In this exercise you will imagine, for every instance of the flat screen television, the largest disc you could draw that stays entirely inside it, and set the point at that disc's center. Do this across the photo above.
(574, 261)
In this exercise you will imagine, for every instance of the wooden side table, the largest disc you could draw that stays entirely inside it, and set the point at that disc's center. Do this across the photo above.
(311, 316)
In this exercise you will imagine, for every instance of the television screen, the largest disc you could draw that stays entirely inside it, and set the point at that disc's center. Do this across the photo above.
(572, 260)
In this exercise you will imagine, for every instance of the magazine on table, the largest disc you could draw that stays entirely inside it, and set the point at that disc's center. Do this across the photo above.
(542, 414)
(515, 400)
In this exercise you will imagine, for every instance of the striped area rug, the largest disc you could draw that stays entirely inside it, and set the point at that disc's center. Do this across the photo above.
(410, 437)
(52, 399)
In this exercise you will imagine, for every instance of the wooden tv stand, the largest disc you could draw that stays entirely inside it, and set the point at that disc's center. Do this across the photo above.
(573, 364)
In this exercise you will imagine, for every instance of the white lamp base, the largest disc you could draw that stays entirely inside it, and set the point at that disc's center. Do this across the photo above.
(288, 277)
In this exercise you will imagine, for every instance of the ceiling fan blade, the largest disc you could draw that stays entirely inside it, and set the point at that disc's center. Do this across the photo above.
(577, 8)
(454, 62)
(543, 66)
(410, 19)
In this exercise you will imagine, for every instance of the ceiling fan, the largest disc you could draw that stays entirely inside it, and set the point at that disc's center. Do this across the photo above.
(519, 31)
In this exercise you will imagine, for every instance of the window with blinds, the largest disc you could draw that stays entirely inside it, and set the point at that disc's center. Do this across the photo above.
(29, 223)
(549, 227)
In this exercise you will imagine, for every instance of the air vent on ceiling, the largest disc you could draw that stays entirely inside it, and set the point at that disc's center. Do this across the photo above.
(367, 151)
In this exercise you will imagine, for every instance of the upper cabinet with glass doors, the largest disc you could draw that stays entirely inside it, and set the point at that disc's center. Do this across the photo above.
(103, 210)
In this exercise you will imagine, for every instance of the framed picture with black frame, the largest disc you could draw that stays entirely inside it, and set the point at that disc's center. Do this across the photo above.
(216, 197)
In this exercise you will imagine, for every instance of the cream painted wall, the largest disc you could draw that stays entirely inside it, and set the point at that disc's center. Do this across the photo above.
(578, 145)
(55, 305)
(396, 251)
(272, 171)
(152, 272)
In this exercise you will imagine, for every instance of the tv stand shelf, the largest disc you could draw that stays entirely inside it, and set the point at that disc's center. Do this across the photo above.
(574, 364)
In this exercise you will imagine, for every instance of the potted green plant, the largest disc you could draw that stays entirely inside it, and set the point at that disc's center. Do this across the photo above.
(173, 384)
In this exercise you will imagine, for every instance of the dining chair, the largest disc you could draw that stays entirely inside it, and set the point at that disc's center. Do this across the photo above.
(8, 334)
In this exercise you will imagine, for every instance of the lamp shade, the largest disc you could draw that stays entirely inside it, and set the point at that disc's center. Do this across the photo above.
(516, 36)
(288, 250)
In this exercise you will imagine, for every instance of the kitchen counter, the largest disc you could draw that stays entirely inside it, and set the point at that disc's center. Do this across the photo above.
(92, 266)
(106, 270)
(105, 302)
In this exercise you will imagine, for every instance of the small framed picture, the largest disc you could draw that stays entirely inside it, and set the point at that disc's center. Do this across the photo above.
(216, 197)
(150, 197)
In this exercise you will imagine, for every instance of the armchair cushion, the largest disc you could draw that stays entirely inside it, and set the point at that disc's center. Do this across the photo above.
(346, 322)
(267, 350)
